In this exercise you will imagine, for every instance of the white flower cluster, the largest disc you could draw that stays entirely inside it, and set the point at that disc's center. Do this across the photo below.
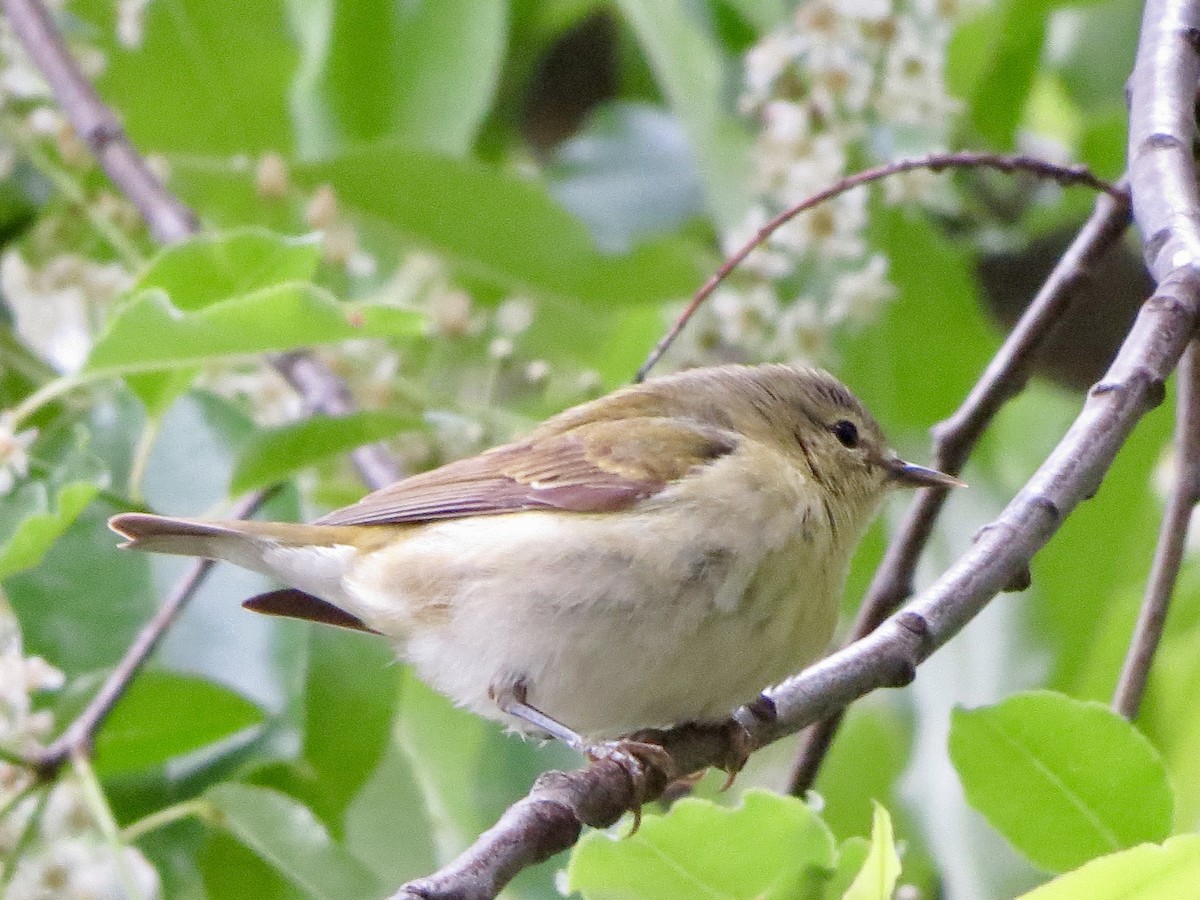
(57, 304)
(847, 83)
(58, 852)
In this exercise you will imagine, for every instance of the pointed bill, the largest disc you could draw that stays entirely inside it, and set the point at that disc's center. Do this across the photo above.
(909, 474)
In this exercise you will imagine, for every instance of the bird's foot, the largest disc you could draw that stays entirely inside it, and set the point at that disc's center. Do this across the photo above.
(643, 762)
(738, 741)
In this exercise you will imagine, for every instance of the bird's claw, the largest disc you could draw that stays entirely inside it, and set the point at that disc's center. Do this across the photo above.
(638, 759)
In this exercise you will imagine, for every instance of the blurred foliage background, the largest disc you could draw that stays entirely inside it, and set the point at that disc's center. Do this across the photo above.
(480, 213)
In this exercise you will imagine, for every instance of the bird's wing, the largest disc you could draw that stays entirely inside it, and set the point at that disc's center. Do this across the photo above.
(599, 466)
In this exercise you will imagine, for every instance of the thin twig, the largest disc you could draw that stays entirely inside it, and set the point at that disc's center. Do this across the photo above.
(1163, 179)
(170, 220)
(936, 162)
(955, 438)
(78, 735)
(1172, 540)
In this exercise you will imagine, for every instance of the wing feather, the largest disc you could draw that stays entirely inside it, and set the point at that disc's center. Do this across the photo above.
(598, 466)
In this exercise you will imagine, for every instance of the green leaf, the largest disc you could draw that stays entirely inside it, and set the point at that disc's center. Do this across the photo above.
(693, 72)
(877, 878)
(213, 267)
(896, 375)
(286, 835)
(852, 854)
(1000, 94)
(187, 87)
(769, 846)
(274, 454)
(376, 70)
(467, 770)
(351, 691)
(83, 605)
(499, 227)
(1063, 780)
(36, 523)
(164, 715)
(150, 333)
(1147, 872)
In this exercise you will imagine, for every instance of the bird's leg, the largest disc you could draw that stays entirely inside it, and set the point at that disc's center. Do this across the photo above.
(634, 755)
(512, 696)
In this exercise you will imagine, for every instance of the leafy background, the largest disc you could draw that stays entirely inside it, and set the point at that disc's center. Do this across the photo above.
(272, 759)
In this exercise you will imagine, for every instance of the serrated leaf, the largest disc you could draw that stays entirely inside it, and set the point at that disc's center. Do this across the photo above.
(164, 715)
(274, 454)
(876, 880)
(212, 267)
(1147, 872)
(1063, 780)
(286, 835)
(769, 846)
(151, 333)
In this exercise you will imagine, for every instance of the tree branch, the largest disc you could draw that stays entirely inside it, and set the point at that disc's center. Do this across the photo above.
(1172, 540)
(955, 438)
(936, 162)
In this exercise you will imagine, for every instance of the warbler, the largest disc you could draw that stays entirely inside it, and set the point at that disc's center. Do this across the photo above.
(654, 557)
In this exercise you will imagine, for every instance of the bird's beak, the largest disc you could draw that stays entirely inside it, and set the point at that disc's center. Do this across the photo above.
(907, 474)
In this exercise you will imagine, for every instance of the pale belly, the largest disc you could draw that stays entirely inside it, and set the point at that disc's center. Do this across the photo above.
(609, 631)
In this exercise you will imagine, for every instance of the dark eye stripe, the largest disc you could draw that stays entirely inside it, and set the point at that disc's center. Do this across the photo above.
(846, 432)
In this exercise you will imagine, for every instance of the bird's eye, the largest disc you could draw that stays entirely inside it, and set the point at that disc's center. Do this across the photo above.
(846, 432)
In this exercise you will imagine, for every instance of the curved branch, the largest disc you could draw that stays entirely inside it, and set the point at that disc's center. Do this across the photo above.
(935, 162)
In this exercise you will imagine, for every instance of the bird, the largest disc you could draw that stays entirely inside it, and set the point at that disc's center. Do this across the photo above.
(654, 557)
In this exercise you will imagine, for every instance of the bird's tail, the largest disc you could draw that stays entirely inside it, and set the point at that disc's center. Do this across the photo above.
(310, 558)
(239, 542)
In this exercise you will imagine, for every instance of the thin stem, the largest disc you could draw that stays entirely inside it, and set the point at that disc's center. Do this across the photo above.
(80, 732)
(1172, 540)
(196, 808)
(70, 188)
(28, 830)
(103, 817)
(141, 458)
(955, 438)
(46, 394)
(936, 162)
(16, 796)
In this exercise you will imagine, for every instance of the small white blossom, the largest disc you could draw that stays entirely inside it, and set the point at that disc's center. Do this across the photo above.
(859, 296)
(271, 178)
(514, 316)
(14, 453)
(131, 16)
